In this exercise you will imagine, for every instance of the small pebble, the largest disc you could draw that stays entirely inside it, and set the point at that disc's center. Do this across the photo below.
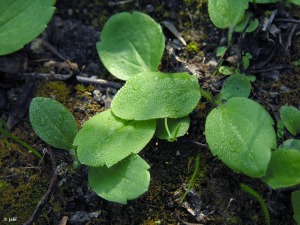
(149, 8)
(97, 95)
(94, 214)
(70, 12)
(79, 217)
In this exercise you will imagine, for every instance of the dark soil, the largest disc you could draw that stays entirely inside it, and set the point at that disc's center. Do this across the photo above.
(216, 197)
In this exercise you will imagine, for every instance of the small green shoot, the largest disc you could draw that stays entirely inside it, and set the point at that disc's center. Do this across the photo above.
(261, 201)
(290, 116)
(236, 85)
(221, 51)
(252, 26)
(227, 14)
(6, 134)
(192, 180)
(170, 129)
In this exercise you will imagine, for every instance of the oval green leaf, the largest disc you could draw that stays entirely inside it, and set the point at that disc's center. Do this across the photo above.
(124, 181)
(296, 2)
(284, 168)
(131, 44)
(241, 25)
(235, 86)
(241, 134)
(53, 122)
(153, 95)
(226, 70)
(226, 13)
(296, 205)
(290, 116)
(177, 127)
(106, 139)
(22, 21)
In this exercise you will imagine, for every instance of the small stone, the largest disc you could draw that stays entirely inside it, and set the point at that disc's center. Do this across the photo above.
(284, 88)
(149, 8)
(64, 180)
(79, 217)
(94, 214)
(79, 192)
(212, 62)
(70, 12)
(97, 95)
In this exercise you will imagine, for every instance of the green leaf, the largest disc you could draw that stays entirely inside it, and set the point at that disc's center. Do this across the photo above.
(226, 13)
(221, 50)
(241, 134)
(241, 25)
(106, 139)
(226, 70)
(296, 2)
(261, 201)
(296, 205)
(290, 117)
(291, 144)
(235, 86)
(153, 95)
(53, 122)
(124, 181)
(284, 169)
(131, 44)
(22, 21)
(251, 78)
(177, 127)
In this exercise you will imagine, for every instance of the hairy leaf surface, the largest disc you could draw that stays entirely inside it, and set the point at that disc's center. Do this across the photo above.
(235, 86)
(22, 21)
(290, 116)
(106, 139)
(284, 168)
(131, 44)
(126, 180)
(226, 13)
(153, 95)
(53, 122)
(241, 134)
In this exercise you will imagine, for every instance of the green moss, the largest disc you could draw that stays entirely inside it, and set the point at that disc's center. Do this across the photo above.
(195, 3)
(20, 199)
(55, 89)
(193, 47)
(234, 220)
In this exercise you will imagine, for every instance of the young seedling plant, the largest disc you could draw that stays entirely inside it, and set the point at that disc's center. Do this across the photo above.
(234, 16)
(150, 103)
